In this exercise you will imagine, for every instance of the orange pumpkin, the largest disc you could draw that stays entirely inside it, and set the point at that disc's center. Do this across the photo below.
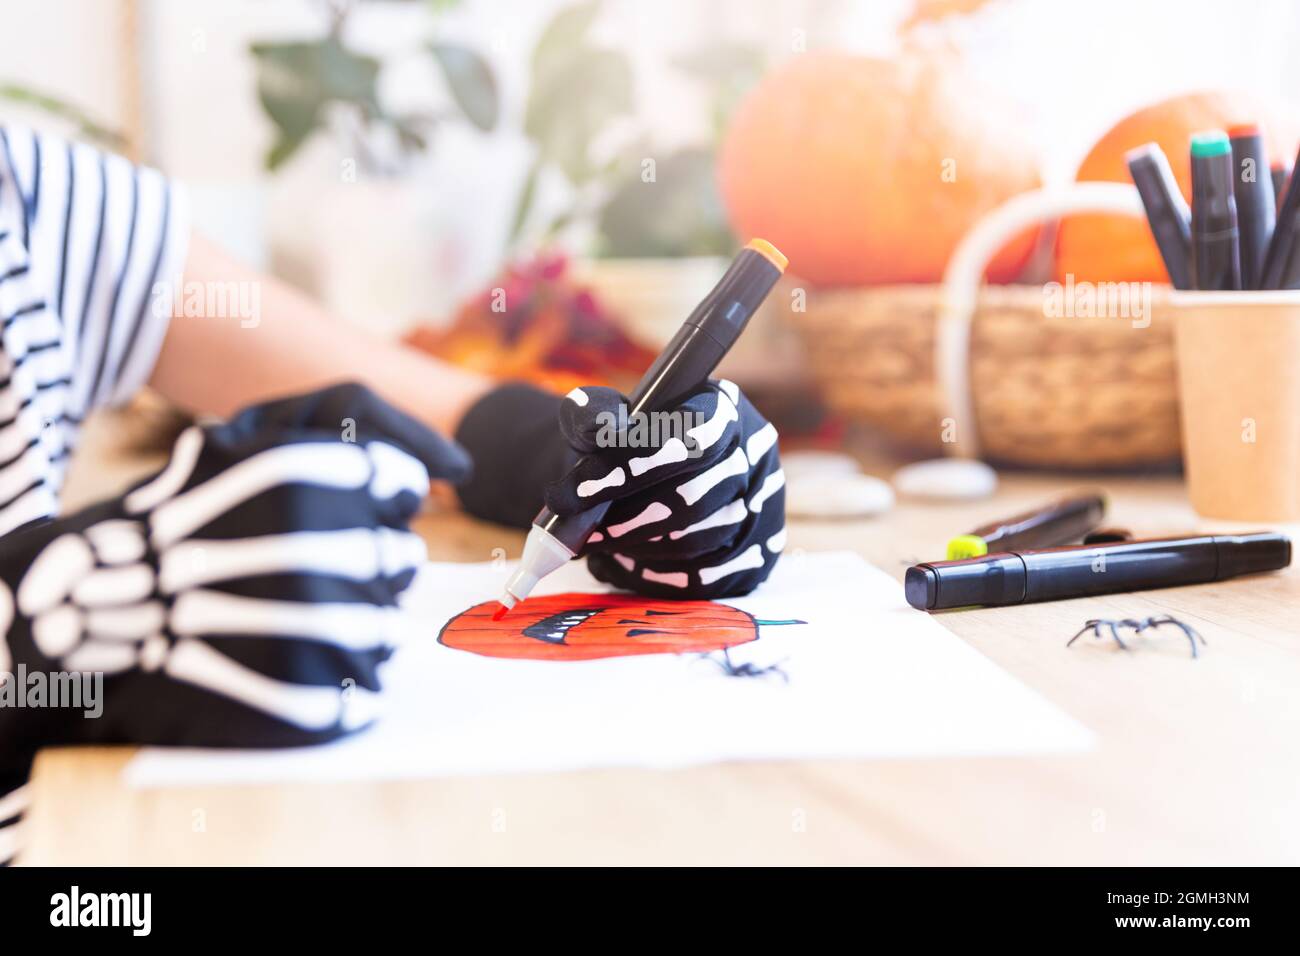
(581, 627)
(867, 171)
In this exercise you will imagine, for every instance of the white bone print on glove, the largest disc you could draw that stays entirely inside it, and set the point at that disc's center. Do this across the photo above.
(699, 514)
(136, 591)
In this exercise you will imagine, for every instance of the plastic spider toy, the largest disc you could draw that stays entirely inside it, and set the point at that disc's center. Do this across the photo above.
(1138, 627)
(732, 669)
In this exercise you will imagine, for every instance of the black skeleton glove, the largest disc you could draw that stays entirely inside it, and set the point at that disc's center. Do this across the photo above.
(244, 596)
(512, 433)
(698, 495)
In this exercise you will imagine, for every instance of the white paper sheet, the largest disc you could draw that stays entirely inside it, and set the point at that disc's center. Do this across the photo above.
(867, 677)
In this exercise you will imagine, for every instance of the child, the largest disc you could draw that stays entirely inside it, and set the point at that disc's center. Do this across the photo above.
(247, 593)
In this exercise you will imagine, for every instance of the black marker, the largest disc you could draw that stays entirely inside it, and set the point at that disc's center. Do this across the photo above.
(688, 360)
(1216, 263)
(1167, 212)
(1256, 202)
(1290, 275)
(1284, 238)
(1280, 174)
(1057, 574)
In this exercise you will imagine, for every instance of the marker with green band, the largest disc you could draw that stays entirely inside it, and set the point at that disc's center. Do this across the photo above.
(1216, 259)
(1055, 524)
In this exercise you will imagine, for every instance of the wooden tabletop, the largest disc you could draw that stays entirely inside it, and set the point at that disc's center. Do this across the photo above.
(1198, 762)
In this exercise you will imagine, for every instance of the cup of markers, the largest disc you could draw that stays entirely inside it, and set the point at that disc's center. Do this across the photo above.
(1234, 257)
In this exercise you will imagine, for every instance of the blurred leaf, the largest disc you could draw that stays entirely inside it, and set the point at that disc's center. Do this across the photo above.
(410, 136)
(725, 63)
(471, 82)
(563, 38)
(679, 214)
(527, 195)
(64, 110)
(569, 108)
(727, 72)
(297, 80)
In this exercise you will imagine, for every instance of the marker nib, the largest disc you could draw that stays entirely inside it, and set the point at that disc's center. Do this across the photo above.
(508, 601)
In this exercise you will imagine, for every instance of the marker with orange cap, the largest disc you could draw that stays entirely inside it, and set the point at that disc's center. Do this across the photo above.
(685, 363)
(1252, 188)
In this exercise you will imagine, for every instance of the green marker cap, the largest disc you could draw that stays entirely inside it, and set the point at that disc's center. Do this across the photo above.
(1212, 142)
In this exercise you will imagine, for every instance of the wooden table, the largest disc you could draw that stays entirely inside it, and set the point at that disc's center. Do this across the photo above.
(1198, 762)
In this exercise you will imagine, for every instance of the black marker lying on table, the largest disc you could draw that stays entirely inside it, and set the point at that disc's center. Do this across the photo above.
(686, 362)
(1056, 574)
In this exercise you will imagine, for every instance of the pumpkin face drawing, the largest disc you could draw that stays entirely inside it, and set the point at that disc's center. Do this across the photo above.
(581, 627)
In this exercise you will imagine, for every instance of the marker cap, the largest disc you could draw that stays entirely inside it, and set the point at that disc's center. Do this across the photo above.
(967, 546)
(1251, 553)
(769, 252)
(1213, 142)
(996, 579)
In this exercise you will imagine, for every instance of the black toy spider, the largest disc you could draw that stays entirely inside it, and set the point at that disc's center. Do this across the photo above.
(732, 669)
(1138, 627)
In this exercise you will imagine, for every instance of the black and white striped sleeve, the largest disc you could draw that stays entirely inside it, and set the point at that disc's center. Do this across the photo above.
(84, 239)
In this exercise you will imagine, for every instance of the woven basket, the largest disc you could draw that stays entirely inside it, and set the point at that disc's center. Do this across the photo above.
(991, 372)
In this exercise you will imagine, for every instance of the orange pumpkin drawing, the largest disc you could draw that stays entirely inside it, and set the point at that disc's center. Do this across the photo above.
(582, 627)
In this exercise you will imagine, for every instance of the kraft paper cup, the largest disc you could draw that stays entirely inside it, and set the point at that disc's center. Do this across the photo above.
(1239, 390)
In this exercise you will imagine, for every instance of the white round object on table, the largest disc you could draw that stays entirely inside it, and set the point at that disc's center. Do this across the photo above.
(815, 463)
(946, 479)
(835, 495)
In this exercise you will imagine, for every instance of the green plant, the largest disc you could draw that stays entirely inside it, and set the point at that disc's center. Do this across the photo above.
(577, 89)
(578, 92)
(308, 85)
(682, 213)
(86, 126)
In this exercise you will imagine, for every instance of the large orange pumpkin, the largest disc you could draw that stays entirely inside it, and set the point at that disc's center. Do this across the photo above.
(580, 627)
(869, 171)
(1098, 248)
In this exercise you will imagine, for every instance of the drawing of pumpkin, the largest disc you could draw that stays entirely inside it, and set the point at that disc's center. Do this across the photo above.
(580, 627)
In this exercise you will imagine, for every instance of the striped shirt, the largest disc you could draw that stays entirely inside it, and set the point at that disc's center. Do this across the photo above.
(84, 237)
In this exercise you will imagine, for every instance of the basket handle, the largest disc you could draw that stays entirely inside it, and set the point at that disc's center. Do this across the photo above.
(961, 285)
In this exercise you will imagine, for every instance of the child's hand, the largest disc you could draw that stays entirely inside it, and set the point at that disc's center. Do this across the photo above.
(698, 500)
(243, 596)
